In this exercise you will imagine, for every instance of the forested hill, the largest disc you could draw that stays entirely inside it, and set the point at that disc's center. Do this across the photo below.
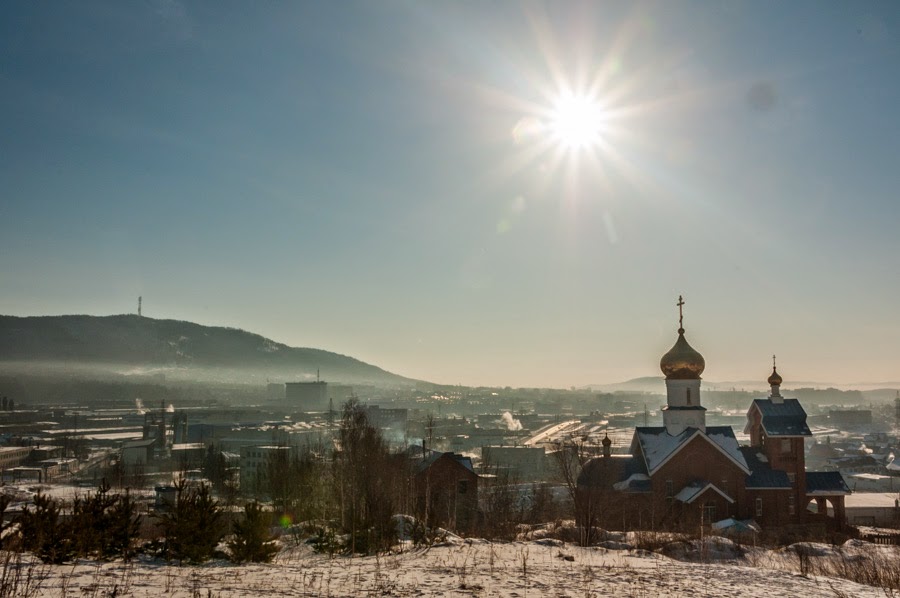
(131, 340)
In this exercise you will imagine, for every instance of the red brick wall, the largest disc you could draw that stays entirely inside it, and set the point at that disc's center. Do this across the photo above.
(792, 461)
(700, 460)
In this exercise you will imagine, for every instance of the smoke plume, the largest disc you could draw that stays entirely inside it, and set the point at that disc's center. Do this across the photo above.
(511, 423)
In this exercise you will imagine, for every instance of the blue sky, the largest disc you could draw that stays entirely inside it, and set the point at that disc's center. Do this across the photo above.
(377, 179)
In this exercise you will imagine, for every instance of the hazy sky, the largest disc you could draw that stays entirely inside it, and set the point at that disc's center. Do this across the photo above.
(380, 179)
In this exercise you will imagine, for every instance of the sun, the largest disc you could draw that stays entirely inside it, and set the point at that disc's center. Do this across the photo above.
(577, 122)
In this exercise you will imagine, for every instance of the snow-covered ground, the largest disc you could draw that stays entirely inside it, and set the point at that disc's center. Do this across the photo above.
(461, 568)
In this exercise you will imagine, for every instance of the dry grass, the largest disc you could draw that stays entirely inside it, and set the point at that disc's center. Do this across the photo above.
(478, 567)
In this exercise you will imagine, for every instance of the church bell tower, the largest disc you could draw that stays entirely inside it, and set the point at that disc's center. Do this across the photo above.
(682, 366)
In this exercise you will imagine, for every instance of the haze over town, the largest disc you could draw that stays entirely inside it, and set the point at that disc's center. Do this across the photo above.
(410, 184)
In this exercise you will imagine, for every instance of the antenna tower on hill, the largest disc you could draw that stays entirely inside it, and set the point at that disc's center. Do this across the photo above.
(139, 304)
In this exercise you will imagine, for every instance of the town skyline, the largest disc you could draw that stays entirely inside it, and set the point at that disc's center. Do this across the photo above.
(409, 185)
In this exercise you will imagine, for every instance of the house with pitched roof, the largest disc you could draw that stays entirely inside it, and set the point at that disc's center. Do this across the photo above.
(686, 473)
(446, 490)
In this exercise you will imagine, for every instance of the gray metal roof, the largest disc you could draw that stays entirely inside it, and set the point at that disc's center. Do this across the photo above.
(825, 483)
(605, 472)
(762, 476)
(787, 418)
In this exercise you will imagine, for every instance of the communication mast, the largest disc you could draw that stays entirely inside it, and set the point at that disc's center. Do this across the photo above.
(139, 305)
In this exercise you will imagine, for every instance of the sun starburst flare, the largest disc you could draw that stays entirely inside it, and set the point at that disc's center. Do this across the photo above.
(577, 121)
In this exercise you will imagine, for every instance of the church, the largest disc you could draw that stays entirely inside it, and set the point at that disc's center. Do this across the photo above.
(685, 473)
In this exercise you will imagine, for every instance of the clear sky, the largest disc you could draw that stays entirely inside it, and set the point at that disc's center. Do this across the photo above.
(391, 181)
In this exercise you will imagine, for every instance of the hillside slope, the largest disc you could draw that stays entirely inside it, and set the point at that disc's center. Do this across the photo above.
(131, 340)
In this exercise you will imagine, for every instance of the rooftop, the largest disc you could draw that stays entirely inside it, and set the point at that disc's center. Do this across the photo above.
(783, 419)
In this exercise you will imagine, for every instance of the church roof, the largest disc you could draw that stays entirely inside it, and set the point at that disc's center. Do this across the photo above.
(787, 418)
(762, 476)
(682, 362)
(658, 446)
(636, 482)
(614, 471)
(693, 491)
(825, 483)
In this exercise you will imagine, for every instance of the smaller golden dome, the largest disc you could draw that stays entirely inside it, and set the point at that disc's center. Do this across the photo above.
(682, 362)
(775, 378)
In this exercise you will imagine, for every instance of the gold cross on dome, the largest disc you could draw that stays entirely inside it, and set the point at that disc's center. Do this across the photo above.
(680, 313)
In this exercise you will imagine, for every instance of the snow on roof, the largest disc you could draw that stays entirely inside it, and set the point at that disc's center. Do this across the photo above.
(691, 492)
(658, 446)
(139, 443)
(634, 478)
(882, 500)
(723, 437)
(875, 477)
(114, 436)
(737, 525)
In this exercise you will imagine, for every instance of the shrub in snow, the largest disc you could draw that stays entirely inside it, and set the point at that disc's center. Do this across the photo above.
(44, 533)
(193, 528)
(253, 541)
(104, 525)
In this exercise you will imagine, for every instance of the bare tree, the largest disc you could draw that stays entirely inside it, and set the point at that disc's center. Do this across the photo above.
(571, 457)
(365, 476)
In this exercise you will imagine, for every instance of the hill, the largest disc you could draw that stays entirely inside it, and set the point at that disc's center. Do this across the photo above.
(182, 349)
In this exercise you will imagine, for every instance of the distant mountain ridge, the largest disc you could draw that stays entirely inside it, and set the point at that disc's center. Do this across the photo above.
(657, 385)
(137, 341)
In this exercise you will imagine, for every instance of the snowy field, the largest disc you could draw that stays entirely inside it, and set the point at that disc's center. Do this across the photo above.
(463, 568)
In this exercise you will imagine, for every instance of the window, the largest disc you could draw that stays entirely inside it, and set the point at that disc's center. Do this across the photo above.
(462, 486)
(709, 512)
(792, 505)
(759, 510)
(793, 478)
(786, 446)
(724, 485)
(670, 488)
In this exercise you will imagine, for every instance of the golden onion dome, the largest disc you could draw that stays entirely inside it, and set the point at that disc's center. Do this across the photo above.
(682, 362)
(775, 378)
